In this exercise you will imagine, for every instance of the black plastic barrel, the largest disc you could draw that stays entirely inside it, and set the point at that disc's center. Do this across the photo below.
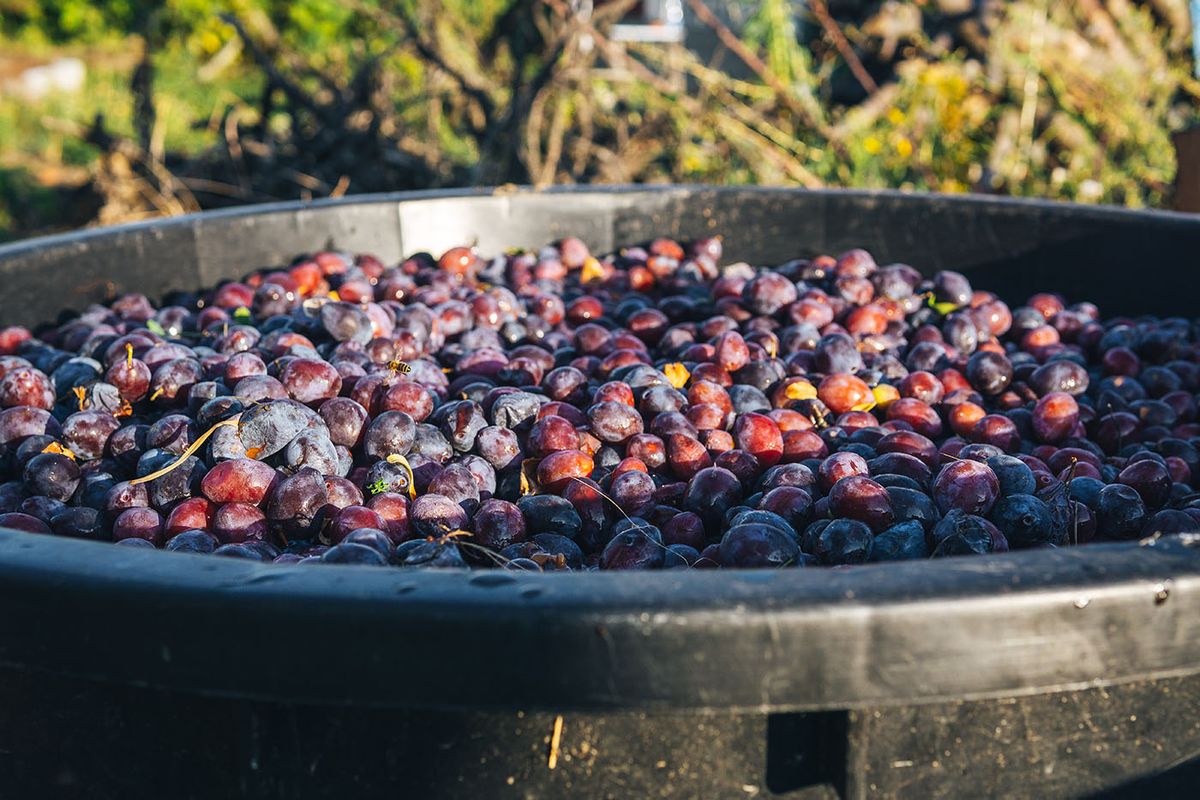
(1067, 673)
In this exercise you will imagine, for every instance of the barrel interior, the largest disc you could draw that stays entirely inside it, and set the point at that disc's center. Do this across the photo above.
(1126, 262)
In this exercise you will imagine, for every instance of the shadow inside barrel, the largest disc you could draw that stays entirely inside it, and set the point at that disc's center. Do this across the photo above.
(1182, 780)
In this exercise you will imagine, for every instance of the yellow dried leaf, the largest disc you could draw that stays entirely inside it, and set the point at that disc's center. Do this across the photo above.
(800, 390)
(885, 394)
(55, 447)
(529, 482)
(592, 271)
(677, 374)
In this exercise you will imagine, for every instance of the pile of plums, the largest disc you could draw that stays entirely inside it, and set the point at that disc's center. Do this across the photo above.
(654, 408)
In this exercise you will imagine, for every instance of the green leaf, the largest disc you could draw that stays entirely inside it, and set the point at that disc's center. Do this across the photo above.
(944, 308)
(155, 327)
(941, 308)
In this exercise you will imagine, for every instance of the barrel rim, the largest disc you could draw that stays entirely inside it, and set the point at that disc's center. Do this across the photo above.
(1076, 210)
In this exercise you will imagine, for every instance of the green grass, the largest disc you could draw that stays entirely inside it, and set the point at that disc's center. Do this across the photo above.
(43, 131)
(42, 143)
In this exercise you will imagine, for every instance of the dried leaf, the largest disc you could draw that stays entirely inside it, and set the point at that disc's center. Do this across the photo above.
(529, 484)
(800, 390)
(677, 374)
(592, 271)
(885, 394)
(55, 447)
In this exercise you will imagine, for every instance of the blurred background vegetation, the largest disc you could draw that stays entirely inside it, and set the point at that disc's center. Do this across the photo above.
(191, 104)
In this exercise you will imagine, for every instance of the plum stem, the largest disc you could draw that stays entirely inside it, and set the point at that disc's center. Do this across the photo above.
(192, 448)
